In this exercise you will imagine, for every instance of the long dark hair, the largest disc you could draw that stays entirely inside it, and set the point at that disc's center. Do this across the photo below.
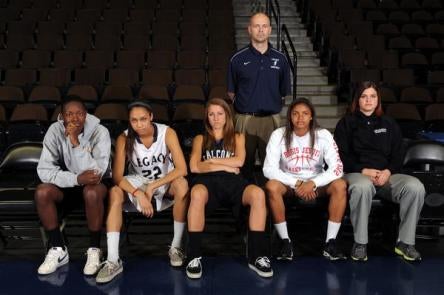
(360, 88)
(131, 136)
(289, 125)
(208, 137)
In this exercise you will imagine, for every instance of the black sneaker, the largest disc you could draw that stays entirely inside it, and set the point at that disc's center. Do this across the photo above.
(331, 251)
(408, 252)
(359, 252)
(194, 268)
(286, 250)
(262, 267)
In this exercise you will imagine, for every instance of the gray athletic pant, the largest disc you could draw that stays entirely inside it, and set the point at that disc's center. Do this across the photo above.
(403, 189)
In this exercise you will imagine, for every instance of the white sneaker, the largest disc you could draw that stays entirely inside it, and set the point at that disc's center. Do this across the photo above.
(92, 261)
(55, 258)
(176, 256)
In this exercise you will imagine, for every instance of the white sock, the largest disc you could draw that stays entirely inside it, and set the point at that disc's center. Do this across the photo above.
(332, 230)
(112, 239)
(281, 229)
(179, 227)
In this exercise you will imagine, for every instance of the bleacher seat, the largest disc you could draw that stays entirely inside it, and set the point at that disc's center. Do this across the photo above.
(117, 93)
(425, 160)
(408, 118)
(34, 59)
(114, 116)
(188, 122)
(434, 117)
(18, 179)
(28, 122)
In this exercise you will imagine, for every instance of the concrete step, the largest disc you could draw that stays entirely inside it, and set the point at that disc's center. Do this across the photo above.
(315, 98)
(315, 71)
(308, 62)
(328, 122)
(312, 80)
(318, 89)
(304, 53)
(331, 111)
(324, 111)
(308, 53)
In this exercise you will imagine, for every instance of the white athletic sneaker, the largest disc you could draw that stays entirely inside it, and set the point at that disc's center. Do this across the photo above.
(176, 256)
(55, 258)
(92, 261)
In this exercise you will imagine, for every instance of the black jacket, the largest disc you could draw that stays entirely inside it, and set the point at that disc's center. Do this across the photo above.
(369, 142)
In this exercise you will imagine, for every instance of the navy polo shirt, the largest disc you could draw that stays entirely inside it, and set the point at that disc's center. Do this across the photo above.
(259, 81)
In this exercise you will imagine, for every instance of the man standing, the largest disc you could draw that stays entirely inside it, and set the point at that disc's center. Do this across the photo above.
(75, 157)
(258, 78)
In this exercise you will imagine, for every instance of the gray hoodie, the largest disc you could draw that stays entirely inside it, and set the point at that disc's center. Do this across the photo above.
(60, 163)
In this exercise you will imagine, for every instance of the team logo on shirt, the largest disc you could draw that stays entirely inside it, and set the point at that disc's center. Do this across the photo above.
(301, 159)
(218, 154)
(161, 158)
(275, 66)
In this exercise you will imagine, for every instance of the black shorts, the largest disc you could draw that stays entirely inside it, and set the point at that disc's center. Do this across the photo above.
(224, 190)
(73, 198)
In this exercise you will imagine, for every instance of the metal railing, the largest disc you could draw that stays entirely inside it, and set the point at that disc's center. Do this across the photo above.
(293, 62)
(283, 37)
(274, 12)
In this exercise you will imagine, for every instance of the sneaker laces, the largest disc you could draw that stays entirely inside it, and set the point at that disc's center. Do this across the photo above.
(195, 262)
(109, 266)
(177, 252)
(360, 248)
(93, 256)
(263, 261)
(411, 251)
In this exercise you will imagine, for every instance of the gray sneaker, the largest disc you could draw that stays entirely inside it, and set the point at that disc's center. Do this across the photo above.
(109, 271)
(176, 256)
(359, 252)
(408, 252)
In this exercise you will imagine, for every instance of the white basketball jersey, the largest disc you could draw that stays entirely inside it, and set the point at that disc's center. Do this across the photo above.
(153, 162)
